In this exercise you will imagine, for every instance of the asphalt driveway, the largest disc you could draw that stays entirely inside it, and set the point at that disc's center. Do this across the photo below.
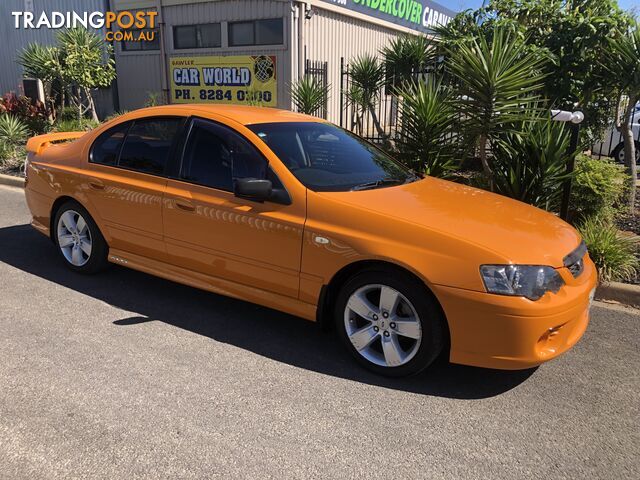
(124, 375)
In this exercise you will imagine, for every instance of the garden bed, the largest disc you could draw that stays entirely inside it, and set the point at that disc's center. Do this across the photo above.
(629, 222)
(12, 167)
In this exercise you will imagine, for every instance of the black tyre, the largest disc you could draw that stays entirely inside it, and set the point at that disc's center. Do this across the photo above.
(390, 322)
(78, 239)
(618, 153)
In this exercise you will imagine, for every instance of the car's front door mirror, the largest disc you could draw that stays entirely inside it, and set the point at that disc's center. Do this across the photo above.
(252, 188)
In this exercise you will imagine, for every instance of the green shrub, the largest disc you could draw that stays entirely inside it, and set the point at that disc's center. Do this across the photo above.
(13, 161)
(529, 162)
(115, 115)
(32, 114)
(68, 114)
(75, 125)
(615, 254)
(427, 139)
(309, 95)
(13, 133)
(153, 99)
(598, 187)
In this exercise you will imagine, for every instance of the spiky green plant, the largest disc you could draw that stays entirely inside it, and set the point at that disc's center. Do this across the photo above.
(88, 63)
(309, 95)
(496, 76)
(529, 162)
(367, 80)
(428, 140)
(407, 55)
(614, 253)
(12, 133)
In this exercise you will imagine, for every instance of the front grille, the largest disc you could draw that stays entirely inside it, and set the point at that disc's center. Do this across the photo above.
(575, 260)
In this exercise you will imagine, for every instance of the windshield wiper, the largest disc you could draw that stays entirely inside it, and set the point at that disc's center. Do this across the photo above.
(378, 183)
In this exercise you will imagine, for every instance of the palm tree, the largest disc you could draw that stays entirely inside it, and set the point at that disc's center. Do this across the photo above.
(407, 56)
(45, 63)
(367, 80)
(88, 63)
(309, 95)
(496, 78)
(530, 161)
(623, 63)
(428, 140)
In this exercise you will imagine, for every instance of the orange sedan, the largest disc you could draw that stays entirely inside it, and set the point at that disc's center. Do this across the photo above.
(294, 213)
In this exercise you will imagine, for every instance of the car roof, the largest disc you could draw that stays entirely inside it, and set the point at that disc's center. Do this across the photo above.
(245, 115)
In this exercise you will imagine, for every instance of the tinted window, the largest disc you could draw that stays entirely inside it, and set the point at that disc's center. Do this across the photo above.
(258, 32)
(106, 148)
(152, 34)
(327, 158)
(269, 32)
(215, 155)
(241, 33)
(148, 144)
(197, 36)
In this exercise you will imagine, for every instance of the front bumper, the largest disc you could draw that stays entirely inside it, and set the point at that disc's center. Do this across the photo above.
(496, 331)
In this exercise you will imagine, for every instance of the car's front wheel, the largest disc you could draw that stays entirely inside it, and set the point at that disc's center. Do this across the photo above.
(390, 323)
(79, 240)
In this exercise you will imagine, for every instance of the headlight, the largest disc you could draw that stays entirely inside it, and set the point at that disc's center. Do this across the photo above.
(530, 281)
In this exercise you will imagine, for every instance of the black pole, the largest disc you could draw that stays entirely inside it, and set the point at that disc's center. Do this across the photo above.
(566, 193)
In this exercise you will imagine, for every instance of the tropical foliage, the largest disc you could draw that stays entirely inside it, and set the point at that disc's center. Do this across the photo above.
(428, 142)
(12, 134)
(80, 59)
(309, 95)
(406, 56)
(33, 114)
(614, 253)
(367, 78)
(498, 81)
(571, 34)
(598, 188)
(622, 62)
(530, 162)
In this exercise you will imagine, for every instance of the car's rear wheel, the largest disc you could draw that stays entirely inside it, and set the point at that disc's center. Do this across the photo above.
(390, 323)
(79, 240)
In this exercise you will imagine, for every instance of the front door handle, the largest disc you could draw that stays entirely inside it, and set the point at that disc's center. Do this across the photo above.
(187, 207)
(96, 185)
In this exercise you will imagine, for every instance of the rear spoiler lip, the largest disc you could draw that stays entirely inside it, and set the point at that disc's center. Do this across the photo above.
(37, 144)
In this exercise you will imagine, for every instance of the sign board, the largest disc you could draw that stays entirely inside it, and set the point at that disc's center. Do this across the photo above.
(419, 15)
(243, 80)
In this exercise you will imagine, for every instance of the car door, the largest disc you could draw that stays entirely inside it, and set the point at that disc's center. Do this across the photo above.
(127, 181)
(209, 230)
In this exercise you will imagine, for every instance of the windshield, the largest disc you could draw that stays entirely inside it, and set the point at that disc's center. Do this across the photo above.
(327, 158)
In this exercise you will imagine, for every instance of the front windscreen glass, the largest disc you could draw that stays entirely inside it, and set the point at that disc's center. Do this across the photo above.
(327, 158)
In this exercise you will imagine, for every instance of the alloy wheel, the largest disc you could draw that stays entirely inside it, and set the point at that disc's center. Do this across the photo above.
(74, 238)
(382, 325)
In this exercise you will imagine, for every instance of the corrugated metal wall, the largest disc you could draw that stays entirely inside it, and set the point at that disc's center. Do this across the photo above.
(140, 72)
(329, 36)
(12, 39)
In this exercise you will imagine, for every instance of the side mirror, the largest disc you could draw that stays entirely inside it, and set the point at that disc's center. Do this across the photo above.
(252, 188)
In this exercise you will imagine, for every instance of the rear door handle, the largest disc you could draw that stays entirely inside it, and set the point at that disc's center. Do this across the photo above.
(96, 185)
(187, 207)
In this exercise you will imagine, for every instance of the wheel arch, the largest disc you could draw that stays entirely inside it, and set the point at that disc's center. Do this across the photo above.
(329, 292)
(61, 200)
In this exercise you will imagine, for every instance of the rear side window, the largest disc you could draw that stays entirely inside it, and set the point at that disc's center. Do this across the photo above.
(107, 147)
(215, 155)
(148, 145)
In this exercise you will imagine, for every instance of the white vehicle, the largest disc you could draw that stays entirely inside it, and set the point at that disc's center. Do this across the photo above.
(612, 144)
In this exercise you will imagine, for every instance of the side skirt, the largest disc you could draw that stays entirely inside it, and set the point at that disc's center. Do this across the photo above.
(217, 285)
